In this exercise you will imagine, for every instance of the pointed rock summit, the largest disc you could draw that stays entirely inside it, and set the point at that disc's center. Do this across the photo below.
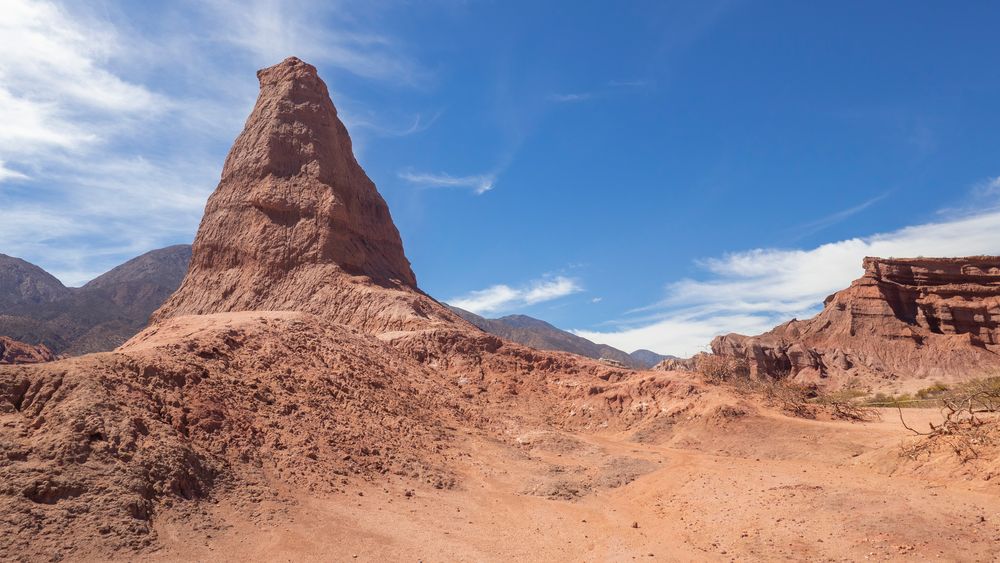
(296, 224)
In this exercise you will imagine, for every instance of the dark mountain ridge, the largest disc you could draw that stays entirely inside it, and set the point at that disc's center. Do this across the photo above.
(544, 336)
(36, 308)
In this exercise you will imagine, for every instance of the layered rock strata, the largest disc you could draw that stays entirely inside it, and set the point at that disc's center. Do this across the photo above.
(918, 318)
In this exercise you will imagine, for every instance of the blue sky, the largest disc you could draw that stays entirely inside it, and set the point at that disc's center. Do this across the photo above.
(648, 174)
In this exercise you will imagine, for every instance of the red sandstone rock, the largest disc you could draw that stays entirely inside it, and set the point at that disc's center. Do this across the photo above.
(295, 223)
(14, 352)
(936, 318)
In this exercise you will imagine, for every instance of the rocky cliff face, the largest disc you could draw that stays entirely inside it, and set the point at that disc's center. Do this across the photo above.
(296, 224)
(14, 352)
(903, 319)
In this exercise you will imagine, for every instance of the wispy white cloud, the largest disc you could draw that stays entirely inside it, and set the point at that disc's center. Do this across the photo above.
(56, 89)
(67, 114)
(680, 336)
(499, 298)
(271, 30)
(113, 135)
(8, 174)
(752, 291)
(419, 124)
(822, 223)
(988, 190)
(479, 184)
(982, 197)
(628, 83)
(119, 207)
(612, 88)
(566, 98)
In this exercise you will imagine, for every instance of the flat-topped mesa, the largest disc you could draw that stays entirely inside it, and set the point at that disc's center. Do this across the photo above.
(296, 224)
(942, 295)
(903, 319)
(981, 271)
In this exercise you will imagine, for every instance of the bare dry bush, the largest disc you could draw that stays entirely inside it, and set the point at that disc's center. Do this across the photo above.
(848, 404)
(982, 395)
(719, 369)
(964, 429)
(796, 399)
(854, 412)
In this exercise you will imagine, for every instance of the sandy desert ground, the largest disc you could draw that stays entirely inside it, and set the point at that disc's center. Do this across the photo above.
(770, 488)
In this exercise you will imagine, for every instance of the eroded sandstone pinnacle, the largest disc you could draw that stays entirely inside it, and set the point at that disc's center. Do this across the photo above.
(295, 223)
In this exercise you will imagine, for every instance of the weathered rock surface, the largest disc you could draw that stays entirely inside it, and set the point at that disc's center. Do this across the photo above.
(14, 352)
(936, 318)
(92, 448)
(101, 315)
(676, 364)
(295, 223)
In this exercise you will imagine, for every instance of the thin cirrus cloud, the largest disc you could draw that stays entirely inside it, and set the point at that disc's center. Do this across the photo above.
(750, 292)
(501, 298)
(479, 184)
(56, 92)
(613, 87)
(822, 223)
(102, 157)
(568, 98)
(271, 31)
(8, 174)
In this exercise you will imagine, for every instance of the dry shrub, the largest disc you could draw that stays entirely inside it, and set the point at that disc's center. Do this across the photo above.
(848, 404)
(964, 430)
(790, 397)
(793, 398)
(854, 412)
(719, 369)
(965, 438)
(796, 399)
(980, 395)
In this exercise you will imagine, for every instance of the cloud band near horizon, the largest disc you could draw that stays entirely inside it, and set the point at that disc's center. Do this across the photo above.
(751, 292)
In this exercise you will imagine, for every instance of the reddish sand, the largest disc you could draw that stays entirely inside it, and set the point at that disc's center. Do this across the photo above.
(819, 492)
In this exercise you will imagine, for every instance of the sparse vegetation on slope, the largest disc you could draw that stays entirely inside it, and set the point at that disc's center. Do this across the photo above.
(797, 399)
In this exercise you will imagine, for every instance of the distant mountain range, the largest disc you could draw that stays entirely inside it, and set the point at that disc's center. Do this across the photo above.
(543, 336)
(36, 308)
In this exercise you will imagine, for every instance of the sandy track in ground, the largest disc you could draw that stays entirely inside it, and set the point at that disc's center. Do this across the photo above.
(562, 497)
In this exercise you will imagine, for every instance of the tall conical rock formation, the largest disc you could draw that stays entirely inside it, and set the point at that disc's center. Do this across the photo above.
(296, 224)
